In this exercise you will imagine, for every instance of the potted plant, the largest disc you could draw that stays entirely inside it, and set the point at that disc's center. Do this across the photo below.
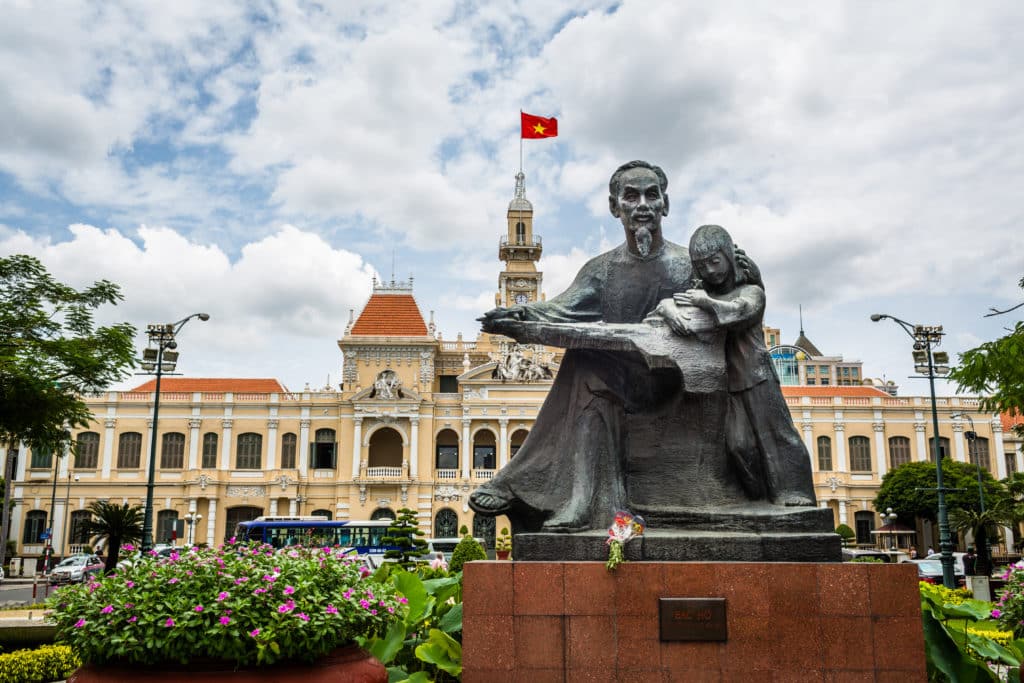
(244, 611)
(503, 544)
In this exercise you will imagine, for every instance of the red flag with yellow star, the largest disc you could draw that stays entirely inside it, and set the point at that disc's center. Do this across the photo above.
(535, 127)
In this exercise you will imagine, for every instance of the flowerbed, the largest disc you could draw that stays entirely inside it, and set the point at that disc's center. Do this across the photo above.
(242, 604)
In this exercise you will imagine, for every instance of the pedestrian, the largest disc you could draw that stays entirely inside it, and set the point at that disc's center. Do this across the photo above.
(913, 553)
(439, 562)
(931, 552)
(970, 561)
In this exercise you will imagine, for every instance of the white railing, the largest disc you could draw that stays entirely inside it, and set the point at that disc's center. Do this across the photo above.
(446, 474)
(383, 472)
(483, 474)
(76, 548)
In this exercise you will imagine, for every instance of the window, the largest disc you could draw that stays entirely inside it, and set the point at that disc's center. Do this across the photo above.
(483, 527)
(943, 448)
(42, 458)
(899, 451)
(977, 448)
(321, 513)
(385, 449)
(446, 524)
(846, 372)
(166, 526)
(382, 513)
(78, 533)
(810, 369)
(860, 454)
(447, 453)
(811, 381)
(242, 513)
(520, 233)
(824, 454)
(449, 384)
(854, 372)
(1011, 464)
(172, 451)
(484, 451)
(250, 451)
(516, 442)
(824, 381)
(209, 461)
(324, 447)
(129, 449)
(288, 445)
(87, 451)
(35, 524)
(864, 522)
(823, 370)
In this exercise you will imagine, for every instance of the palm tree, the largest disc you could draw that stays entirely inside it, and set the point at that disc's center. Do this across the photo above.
(117, 524)
(983, 526)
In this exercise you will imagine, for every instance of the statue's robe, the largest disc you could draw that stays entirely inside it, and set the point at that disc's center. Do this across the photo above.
(614, 433)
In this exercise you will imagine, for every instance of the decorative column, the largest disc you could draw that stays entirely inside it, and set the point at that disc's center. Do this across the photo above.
(502, 442)
(842, 512)
(880, 449)
(997, 438)
(958, 440)
(271, 444)
(840, 439)
(808, 428)
(414, 448)
(293, 507)
(193, 444)
(108, 447)
(467, 449)
(21, 465)
(211, 521)
(304, 446)
(922, 447)
(225, 439)
(273, 507)
(357, 444)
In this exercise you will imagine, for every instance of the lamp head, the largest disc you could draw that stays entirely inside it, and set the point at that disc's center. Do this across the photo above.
(204, 316)
(875, 317)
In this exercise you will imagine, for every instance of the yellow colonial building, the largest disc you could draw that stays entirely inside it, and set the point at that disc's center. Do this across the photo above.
(419, 422)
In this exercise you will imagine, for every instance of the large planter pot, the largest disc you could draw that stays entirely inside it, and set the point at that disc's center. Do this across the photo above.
(345, 665)
(502, 554)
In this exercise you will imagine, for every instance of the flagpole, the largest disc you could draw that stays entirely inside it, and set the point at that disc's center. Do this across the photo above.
(520, 140)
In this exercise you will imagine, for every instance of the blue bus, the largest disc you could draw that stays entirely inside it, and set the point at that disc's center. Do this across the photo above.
(367, 538)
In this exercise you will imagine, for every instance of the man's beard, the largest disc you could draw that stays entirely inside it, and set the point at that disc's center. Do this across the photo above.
(642, 236)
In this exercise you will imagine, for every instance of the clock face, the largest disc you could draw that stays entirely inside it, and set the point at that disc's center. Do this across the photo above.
(522, 298)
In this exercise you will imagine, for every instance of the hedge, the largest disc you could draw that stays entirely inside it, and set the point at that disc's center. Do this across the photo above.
(44, 664)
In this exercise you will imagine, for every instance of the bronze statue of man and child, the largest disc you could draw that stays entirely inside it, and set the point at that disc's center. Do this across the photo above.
(666, 404)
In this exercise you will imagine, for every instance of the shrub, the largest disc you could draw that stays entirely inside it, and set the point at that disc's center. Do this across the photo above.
(846, 533)
(242, 604)
(504, 540)
(46, 663)
(868, 559)
(466, 551)
(406, 536)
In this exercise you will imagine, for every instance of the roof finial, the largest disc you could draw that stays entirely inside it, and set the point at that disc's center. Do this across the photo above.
(520, 185)
(801, 306)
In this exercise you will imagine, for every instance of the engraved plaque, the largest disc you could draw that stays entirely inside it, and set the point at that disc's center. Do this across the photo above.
(692, 618)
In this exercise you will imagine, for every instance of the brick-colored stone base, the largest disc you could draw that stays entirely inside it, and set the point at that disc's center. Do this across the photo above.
(574, 621)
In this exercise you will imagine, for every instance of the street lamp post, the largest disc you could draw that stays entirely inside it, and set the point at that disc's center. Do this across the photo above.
(890, 519)
(159, 357)
(192, 519)
(930, 363)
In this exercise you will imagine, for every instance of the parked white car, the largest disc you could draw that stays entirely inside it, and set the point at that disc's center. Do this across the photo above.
(958, 561)
(75, 569)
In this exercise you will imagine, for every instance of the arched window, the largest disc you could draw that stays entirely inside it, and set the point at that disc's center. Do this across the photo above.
(78, 534)
(446, 524)
(323, 449)
(1011, 464)
(172, 451)
(209, 461)
(484, 451)
(447, 456)
(87, 451)
(977, 448)
(321, 513)
(42, 458)
(864, 522)
(385, 449)
(943, 448)
(383, 513)
(516, 442)
(35, 524)
(520, 233)
(166, 521)
(289, 442)
(824, 454)
(860, 454)
(483, 527)
(250, 451)
(129, 450)
(899, 451)
(235, 515)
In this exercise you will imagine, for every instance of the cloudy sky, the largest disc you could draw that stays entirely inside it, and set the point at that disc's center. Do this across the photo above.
(262, 161)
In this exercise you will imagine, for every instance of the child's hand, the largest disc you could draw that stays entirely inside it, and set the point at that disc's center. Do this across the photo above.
(693, 297)
(676, 319)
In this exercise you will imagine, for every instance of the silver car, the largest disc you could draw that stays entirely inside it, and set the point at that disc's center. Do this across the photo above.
(76, 568)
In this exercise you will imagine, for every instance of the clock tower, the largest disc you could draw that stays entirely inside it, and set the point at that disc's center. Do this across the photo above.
(520, 281)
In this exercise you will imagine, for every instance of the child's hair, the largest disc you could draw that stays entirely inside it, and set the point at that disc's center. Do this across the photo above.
(708, 240)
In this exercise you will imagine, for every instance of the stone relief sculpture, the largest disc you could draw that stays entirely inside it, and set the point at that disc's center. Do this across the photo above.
(387, 386)
(514, 366)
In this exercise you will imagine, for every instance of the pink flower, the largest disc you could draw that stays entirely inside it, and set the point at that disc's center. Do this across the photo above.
(391, 609)
(80, 623)
(240, 580)
(403, 600)
(269, 578)
(331, 609)
(127, 546)
(129, 584)
(347, 594)
(222, 596)
(129, 605)
(373, 612)
(255, 632)
(173, 579)
(288, 590)
(364, 604)
(174, 556)
(198, 608)
(224, 621)
(107, 610)
(169, 623)
(302, 616)
(133, 620)
(996, 614)
(259, 590)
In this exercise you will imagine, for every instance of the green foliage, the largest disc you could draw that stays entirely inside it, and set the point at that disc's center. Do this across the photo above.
(962, 642)
(405, 534)
(46, 663)
(240, 604)
(868, 559)
(994, 371)
(466, 551)
(983, 526)
(504, 540)
(118, 524)
(51, 353)
(846, 533)
(426, 645)
(463, 530)
(910, 489)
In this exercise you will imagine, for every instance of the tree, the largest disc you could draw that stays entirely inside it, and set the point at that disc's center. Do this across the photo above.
(50, 355)
(467, 550)
(995, 371)
(118, 524)
(404, 534)
(910, 489)
(846, 534)
(984, 526)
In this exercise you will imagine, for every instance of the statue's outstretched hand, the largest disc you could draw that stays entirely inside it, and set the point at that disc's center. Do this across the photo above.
(500, 316)
(676, 319)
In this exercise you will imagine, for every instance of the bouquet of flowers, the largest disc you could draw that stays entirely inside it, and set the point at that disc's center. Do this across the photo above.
(626, 527)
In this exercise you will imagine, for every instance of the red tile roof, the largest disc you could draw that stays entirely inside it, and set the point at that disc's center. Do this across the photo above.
(1010, 421)
(390, 315)
(834, 391)
(214, 384)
